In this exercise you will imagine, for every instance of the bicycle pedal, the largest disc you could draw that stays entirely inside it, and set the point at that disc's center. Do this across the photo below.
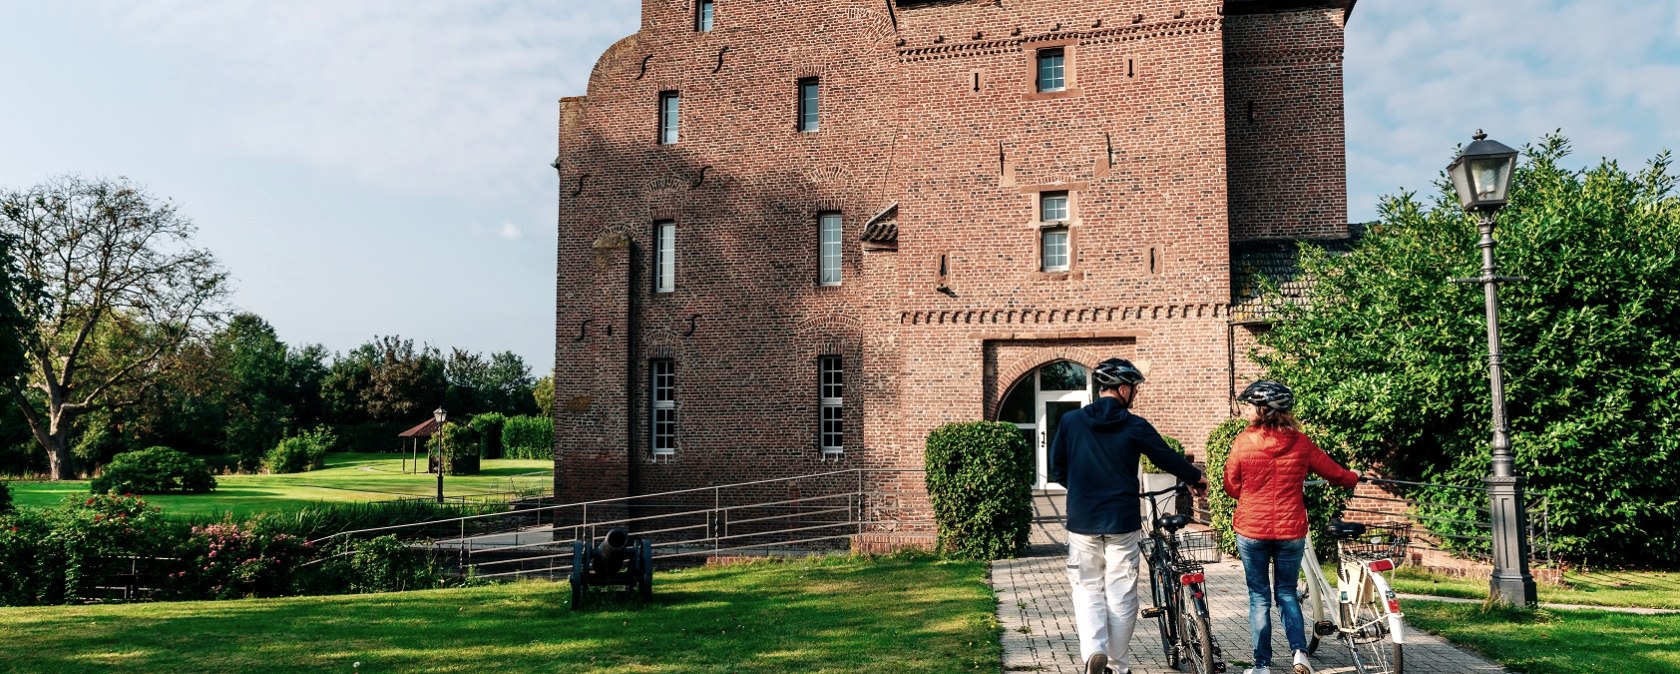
(1324, 628)
(1152, 612)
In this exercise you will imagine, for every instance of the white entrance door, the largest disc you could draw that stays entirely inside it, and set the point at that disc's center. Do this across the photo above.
(1036, 405)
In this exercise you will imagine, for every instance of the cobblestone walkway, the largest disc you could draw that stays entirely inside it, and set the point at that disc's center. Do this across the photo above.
(1039, 634)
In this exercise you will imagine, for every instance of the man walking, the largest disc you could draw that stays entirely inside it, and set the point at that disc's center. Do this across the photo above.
(1095, 455)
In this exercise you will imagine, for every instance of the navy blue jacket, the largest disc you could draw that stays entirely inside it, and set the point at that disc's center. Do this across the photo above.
(1095, 455)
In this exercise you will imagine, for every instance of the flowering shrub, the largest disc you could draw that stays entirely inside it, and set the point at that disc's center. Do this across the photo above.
(238, 559)
(45, 555)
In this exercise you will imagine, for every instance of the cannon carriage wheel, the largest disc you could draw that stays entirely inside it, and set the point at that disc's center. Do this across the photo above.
(580, 571)
(644, 557)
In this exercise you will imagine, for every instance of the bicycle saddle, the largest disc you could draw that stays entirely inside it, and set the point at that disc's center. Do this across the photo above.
(1340, 529)
(1172, 522)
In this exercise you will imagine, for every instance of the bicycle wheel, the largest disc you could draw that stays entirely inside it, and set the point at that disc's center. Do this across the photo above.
(1196, 632)
(1374, 652)
(1164, 618)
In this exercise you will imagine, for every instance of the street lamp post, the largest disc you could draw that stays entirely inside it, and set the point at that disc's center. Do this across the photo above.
(439, 415)
(1481, 175)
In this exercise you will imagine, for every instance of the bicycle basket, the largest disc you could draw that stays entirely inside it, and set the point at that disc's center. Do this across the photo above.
(1201, 547)
(1380, 541)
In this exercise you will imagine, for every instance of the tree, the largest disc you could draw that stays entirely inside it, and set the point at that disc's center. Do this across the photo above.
(259, 412)
(1390, 356)
(469, 382)
(120, 287)
(508, 384)
(543, 393)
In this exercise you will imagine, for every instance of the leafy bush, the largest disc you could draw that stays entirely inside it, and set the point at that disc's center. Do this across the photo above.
(1390, 355)
(232, 560)
(1149, 466)
(489, 428)
(30, 572)
(979, 479)
(1323, 503)
(302, 452)
(47, 556)
(458, 445)
(385, 564)
(5, 498)
(528, 438)
(154, 470)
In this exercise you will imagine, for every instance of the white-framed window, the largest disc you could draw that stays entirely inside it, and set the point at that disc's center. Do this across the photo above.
(668, 103)
(703, 16)
(665, 256)
(831, 397)
(828, 226)
(662, 385)
(1053, 247)
(808, 104)
(1053, 206)
(1052, 73)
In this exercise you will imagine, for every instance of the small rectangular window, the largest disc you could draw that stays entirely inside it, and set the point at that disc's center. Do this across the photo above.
(662, 392)
(668, 101)
(1053, 206)
(1051, 73)
(808, 104)
(703, 16)
(665, 257)
(1054, 246)
(831, 397)
(829, 224)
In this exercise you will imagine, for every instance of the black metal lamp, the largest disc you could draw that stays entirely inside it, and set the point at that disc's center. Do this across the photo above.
(1482, 174)
(439, 415)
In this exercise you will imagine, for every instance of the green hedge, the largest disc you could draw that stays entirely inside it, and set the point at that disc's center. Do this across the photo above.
(302, 452)
(1149, 466)
(154, 470)
(1323, 503)
(489, 427)
(979, 479)
(527, 437)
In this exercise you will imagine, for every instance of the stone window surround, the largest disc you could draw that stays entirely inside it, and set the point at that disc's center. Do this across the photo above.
(1070, 69)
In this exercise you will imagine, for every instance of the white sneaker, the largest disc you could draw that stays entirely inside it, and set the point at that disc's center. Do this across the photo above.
(1301, 666)
(1097, 663)
(1258, 670)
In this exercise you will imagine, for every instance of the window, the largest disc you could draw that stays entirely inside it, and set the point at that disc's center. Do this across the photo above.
(829, 225)
(1052, 206)
(808, 104)
(1051, 73)
(831, 390)
(1053, 244)
(665, 257)
(703, 16)
(663, 382)
(668, 101)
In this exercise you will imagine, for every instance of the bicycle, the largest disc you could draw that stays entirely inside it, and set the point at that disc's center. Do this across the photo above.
(1367, 617)
(1177, 586)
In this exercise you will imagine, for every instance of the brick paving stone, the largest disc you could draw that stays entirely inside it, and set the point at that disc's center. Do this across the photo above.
(1039, 636)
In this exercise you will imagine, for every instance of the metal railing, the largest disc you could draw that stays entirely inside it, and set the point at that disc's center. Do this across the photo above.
(798, 515)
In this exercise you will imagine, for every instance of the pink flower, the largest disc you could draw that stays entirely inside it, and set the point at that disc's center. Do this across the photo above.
(212, 553)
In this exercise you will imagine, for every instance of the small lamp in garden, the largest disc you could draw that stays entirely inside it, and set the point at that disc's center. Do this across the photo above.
(1482, 177)
(439, 415)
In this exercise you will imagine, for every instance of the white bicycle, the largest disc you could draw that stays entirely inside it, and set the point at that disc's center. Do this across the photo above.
(1366, 614)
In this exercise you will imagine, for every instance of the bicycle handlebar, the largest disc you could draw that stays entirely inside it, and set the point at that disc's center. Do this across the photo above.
(1177, 487)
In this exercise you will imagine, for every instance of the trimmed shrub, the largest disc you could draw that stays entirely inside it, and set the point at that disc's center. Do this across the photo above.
(458, 445)
(489, 428)
(302, 452)
(528, 438)
(979, 479)
(1323, 503)
(154, 470)
(1149, 466)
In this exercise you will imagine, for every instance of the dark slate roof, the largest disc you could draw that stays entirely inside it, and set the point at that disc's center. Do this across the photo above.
(883, 228)
(1278, 261)
(1266, 6)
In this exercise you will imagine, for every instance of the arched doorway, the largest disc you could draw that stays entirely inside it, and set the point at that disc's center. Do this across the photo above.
(1037, 402)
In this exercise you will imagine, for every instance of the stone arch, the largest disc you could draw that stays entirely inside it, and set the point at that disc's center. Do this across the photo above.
(1009, 374)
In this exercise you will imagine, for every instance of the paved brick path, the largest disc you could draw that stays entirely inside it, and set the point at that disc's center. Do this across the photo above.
(1039, 634)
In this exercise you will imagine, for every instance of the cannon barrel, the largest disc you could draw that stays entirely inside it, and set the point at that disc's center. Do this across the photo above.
(609, 557)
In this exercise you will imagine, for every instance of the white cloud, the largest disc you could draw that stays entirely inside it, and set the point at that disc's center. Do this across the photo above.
(510, 232)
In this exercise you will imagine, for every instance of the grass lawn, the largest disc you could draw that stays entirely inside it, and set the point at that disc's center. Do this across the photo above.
(1649, 589)
(1557, 641)
(347, 477)
(838, 614)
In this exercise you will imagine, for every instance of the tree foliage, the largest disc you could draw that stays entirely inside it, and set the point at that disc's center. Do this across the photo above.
(1390, 356)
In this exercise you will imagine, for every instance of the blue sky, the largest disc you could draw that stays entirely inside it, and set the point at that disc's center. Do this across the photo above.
(375, 167)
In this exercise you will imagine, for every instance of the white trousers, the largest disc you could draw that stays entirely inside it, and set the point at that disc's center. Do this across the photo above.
(1104, 573)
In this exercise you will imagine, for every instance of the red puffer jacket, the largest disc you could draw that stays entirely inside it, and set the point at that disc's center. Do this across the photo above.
(1264, 474)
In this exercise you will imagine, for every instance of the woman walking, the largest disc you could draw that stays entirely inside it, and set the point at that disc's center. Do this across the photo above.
(1265, 473)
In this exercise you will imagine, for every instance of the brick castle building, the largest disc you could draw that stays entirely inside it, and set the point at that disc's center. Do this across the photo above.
(798, 236)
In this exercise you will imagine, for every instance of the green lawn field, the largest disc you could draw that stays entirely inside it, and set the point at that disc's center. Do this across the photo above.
(347, 477)
(839, 614)
(1647, 589)
(1555, 641)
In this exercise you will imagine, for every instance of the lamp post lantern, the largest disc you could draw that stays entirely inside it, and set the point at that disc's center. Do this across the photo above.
(1481, 175)
(439, 415)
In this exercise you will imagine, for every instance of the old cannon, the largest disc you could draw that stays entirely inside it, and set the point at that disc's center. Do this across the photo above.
(618, 561)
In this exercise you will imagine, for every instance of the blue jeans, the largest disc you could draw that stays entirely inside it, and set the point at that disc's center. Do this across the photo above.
(1273, 568)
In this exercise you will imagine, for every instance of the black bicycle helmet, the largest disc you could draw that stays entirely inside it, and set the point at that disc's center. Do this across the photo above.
(1115, 372)
(1268, 394)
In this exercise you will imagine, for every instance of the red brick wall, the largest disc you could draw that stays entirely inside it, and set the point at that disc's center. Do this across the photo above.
(938, 115)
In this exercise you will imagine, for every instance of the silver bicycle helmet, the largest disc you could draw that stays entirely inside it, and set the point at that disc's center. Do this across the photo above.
(1270, 395)
(1115, 372)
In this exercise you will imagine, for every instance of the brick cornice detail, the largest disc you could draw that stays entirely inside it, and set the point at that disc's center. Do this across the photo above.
(1272, 58)
(1122, 34)
(1062, 316)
